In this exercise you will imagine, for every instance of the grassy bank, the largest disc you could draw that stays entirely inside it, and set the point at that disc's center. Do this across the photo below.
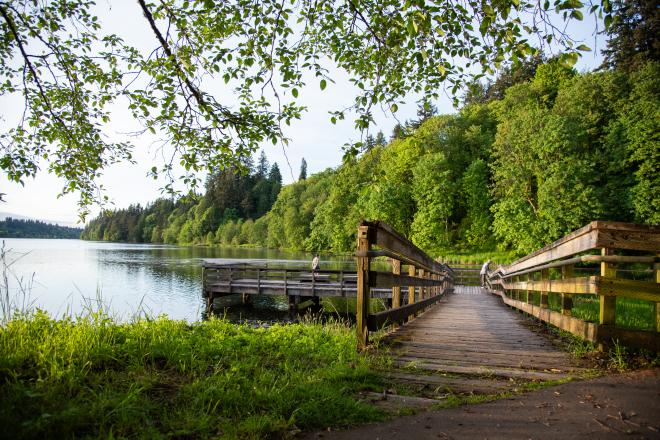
(95, 377)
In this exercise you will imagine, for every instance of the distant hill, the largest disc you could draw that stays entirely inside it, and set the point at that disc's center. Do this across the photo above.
(27, 228)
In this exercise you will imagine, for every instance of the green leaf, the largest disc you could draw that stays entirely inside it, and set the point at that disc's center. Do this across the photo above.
(294, 92)
(323, 84)
(394, 108)
(584, 48)
(577, 15)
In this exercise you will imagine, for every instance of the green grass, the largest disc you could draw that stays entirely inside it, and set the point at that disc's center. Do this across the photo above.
(93, 377)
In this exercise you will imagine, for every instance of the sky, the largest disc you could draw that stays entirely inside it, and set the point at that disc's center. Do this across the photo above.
(313, 137)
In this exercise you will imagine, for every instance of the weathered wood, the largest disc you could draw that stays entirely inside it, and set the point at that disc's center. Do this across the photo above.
(396, 290)
(389, 280)
(388, 238)
(607, 314)
(594, 235)
(656, 304)
(566, 300)
(545, 276)
(363, 293)
(581, 285)
(400, 315)
(613, 287)
(411, 289)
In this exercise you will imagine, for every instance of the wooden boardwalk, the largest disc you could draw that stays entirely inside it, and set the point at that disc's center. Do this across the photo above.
(470, 342)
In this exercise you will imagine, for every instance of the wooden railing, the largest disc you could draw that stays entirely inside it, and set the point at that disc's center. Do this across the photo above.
(622, 249)
(426, 279)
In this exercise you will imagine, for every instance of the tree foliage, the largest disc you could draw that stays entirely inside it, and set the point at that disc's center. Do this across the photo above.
(56, 56)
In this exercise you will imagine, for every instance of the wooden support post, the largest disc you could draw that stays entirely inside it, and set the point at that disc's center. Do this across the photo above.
(363, 289)
(396, 290)
(545, 275)
(529, 294)
(607, 303)
(656, 269)
(422, 289)
(411, 289)
(566, 299)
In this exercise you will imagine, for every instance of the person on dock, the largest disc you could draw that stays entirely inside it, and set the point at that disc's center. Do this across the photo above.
(484, 272)
(315, 265)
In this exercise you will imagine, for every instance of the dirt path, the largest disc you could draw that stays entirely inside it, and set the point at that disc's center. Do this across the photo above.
(610, 407)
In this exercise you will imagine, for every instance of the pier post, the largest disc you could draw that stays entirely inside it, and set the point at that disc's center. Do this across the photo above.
(363, 290)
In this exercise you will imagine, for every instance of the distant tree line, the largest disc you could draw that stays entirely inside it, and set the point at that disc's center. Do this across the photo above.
(532, 155)
(19, 228)
(230, 202)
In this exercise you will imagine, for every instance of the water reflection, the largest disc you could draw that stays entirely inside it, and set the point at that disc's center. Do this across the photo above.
(158, 279)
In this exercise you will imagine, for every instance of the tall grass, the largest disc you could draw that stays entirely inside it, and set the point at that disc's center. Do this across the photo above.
(93, 376)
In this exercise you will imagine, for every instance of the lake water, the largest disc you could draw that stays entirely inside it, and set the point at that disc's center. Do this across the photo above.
(67, 276)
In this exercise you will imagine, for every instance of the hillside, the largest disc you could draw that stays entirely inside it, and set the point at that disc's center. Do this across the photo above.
(515, 169)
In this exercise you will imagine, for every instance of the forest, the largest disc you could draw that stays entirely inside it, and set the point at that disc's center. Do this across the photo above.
(533, 154)
(19, 228)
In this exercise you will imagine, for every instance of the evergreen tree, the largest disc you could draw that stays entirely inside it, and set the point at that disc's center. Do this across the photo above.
(634, 35)
(262, 165)
(380, 139)
(303, 170)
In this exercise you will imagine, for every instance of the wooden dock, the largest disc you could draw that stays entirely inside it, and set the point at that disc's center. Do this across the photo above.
(471, 343)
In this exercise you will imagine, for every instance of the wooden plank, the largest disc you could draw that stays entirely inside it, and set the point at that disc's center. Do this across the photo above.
(363, 284)
(411, 362)
(389, 280)
(579, 285)
(585, 330)
(607, 315)
(643, 290)
(396, 290)
(400, 315)
(388, 238)
(566, 300)
(596, 234)
(411, 289)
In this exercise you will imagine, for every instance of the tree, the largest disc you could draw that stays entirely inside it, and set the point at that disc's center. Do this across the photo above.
(303, 170)
(56, 56)
(634, 35)
(380, 139)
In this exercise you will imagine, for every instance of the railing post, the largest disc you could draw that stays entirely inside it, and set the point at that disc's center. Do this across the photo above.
(396, 290)
(363, 290)
(566, 299)
(545, 278)
(529, 298)
(411, 289)
(656, 269)
(607, 303)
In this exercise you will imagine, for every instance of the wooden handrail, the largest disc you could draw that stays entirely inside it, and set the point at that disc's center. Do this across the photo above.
(432, 278)
(611, 239)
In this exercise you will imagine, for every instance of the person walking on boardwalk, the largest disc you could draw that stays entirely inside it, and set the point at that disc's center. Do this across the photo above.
(484, 272)
(315, 265)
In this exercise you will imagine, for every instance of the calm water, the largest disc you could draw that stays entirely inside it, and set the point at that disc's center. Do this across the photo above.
(66, 276)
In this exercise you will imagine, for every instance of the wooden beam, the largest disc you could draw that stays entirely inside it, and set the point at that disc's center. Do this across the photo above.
(363, 293)
(388, 238)
(389, 280)
(567, 300)
(545, 276)
(607, 315)
(618, 287)
(595, 235)
(400, 315)
(656, 270)
(411, 288)
(582, 285)
(396, 290)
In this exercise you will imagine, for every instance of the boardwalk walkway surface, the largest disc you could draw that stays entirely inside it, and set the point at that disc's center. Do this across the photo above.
(471, 343)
